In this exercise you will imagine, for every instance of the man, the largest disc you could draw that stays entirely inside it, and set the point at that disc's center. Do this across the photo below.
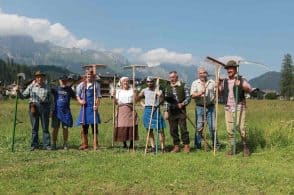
(177, 97)
(202, 90)
(40, 100)
(61, 112)
(153, 98)
(229, 88)
(85, 96)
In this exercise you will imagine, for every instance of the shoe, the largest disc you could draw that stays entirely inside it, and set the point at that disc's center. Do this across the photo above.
(48, 148)
(125, 145)
(186, 148)
(218, 147)
(151, 150)
(85, 148)
(230, 152)
(65, 146)
(246, 152)
(33, 148)
(175, 149)
(54, 147)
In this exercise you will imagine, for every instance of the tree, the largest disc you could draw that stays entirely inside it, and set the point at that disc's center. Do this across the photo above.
(287, 77)
(271, 96)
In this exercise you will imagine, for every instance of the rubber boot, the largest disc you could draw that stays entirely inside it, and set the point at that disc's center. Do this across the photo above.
(186, 148)
(230, 152)
(84, 145)
(246, 151)
(175, 149)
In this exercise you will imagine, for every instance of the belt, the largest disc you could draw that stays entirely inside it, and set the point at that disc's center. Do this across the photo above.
(207, 105)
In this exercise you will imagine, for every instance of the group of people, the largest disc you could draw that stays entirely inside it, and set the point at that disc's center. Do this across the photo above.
(175, 97)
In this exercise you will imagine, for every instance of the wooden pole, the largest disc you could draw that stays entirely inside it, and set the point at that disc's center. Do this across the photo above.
(113, 110)
(134, 66)
(236, 124)
(217, 72)
(134, 122)
(93, 68)
(95, 133)
(151, 115)
(204, 117)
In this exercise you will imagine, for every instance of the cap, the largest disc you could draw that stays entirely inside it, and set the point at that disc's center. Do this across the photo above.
(149, 79)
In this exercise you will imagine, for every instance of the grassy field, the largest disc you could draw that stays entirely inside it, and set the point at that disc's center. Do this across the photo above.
(270, 168)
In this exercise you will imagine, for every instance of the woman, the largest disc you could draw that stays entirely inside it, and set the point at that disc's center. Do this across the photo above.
(85, 96)
(153, 97)
(124, 121)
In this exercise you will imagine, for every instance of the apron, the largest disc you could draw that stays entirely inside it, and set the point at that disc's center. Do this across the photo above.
(87, 109)
(62, 109)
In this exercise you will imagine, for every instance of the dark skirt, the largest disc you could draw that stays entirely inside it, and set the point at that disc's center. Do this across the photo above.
(125, 133)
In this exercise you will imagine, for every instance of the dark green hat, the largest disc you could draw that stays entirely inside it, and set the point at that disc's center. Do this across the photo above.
(231, 63)
(39, 73)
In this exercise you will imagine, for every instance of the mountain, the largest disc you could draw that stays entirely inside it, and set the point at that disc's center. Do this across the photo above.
(267, 81)
(9, 71)
(24, 50)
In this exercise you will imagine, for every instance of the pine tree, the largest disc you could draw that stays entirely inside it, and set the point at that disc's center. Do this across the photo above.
(287, 77)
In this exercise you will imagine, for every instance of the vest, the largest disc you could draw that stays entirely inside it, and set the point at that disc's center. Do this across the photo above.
(180, 91)
(241, 92)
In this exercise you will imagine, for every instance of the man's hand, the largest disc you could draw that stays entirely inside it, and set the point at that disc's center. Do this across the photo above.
(237, 82)
(82, 102)
(180, 105)
(158, 92)
(165, 115)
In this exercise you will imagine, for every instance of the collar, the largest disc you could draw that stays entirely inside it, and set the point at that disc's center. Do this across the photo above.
(177, 84)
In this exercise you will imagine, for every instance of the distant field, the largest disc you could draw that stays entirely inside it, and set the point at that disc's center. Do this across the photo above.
(114, 170)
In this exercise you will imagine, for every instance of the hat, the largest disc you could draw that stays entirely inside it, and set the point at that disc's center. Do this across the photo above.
(123, 78)
(231, 63)
(63, 77)
(149, 79)
(39, 73)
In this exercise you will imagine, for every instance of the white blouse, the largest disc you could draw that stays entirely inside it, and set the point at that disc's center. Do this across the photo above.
(124, 96)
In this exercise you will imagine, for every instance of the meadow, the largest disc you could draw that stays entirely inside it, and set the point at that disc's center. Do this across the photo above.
(269, 170)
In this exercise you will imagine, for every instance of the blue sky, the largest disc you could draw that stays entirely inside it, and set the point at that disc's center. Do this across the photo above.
(255, 30)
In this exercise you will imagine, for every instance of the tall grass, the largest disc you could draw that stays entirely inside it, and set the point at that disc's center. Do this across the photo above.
(115, 170)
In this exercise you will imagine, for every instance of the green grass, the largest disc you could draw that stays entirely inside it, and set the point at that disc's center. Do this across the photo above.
(114, 170)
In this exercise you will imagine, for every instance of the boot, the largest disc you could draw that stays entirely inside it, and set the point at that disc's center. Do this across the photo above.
(230, 152)
(84, 145)
(246, 151)
(175, 149)
(186, 148)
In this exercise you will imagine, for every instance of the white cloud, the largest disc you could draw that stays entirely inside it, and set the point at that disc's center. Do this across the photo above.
(134, 51)
(41, 30)
(118, 50)
(159, 56)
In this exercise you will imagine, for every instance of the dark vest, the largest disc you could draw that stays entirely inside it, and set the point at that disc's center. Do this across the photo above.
(241, 92)
(180, 90)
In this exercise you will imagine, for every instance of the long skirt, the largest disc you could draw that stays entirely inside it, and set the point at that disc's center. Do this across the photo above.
(124, 124)
(157, 121)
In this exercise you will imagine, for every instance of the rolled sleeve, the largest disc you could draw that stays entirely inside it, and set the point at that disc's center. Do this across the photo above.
(26, 92)
(98, 90)
(187, 95)
(79, 90)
